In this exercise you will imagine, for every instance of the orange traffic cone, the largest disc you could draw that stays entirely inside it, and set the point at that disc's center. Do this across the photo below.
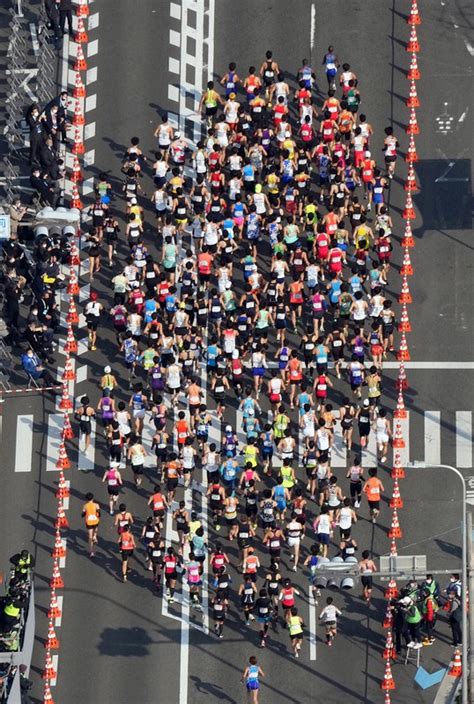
(389, 651)
(391, 591)
(388, 681)
(397, 472)
(81, 34)
(78, 146)
(404, 325)
(456, 664)
(61, 520)
(80, 64)
(396, 501)
(56, 581)
(69, 373)
(82, 9)
(59, 550)
(403, 354)
(52, 642)
(414, 16)
(72, 314)
(73, 285)
(409, 211)
(388, 620)
(49, 673)
(395, 530)
(413, 72)
(400, 411)
(402, 381)
(65, 403)
(405, 295)
(408, 240)
(388, 699)
(71, 342)
(413, 47)
(54, 610)
(76, 173)
(410, 183)
(407, 269)
(63, 487)
(76, 202)
(413, 101)
(47, 696)
(393, 547)
(78, 118)
(79, 89)
(63, 460)
(74, 258)
(67, 432)
(398, 441)
(413, 127)
(411, 155)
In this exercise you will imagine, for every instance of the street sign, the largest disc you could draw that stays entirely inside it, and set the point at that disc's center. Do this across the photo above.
(4, 227)
(408, 565)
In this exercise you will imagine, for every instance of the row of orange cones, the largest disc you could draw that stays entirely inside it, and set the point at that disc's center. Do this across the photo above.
(63, 463)
(398, 472)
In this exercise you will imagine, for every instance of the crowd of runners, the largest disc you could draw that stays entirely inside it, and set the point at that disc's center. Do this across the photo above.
(254, 320)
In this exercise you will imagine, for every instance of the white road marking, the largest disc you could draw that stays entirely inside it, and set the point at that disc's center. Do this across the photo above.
(89, 158)
(175, 38)
(463, 439)
(59, 619)
(148, 432)
(24, 443)
(92, 48)
(312, 30)
(91, 102)
(91, 75)
(464, 115)
(369, 453)
(173, 93)
(93, 21)
(55, 660)
(313, 655)
(338, 449)
(86, 460)
(469, 47)
(175, 11)
(81, 374)
(55, 425)
(64, 59)
(432, 437)
(87, 187)
(173, 65)
(210, 41)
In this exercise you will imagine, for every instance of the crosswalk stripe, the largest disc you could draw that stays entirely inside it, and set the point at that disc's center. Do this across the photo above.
(147, 438)
(405, 451)
(463, 439)
(369, 453)
(55, 424)
(432, 437)
(86, 460)
(339, 449)
(24, 443)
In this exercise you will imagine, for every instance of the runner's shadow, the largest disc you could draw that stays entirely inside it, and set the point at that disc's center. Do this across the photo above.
(211, 690)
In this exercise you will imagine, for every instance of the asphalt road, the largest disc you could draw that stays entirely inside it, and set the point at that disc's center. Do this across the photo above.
(116, 644)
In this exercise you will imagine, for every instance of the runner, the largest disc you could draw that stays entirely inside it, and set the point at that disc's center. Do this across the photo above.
(91, 515)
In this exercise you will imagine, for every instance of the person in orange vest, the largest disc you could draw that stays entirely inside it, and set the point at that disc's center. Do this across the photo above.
(294, 375)
(367, 175)
(182, 431)
(204, 264)
(158, 504)
(327, 128)
(372, 489)
(251, 565)
(127, 546)
(296, 301)
(91, 514)
(332, 105)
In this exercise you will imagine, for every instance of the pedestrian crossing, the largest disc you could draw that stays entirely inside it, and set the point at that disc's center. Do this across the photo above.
(434, 437)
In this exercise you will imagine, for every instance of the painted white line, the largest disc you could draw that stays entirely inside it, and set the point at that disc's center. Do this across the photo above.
(91, 75)
(86, 460)
(198, 87)
(148, 432)
(24, 443)
(55, 660)
(173, 119)
(432, 437)
(66, 499)
(405, 451)
(55, 424)
(34, 38)
(463, 439)
(81, 374)
(175, 11)
(369, 453)
(464, 366)
(89, 158)
(85, 291)
(338, 449)
(312, 30)
(464, 115)
(62, 560)
(469, 47)
(173, 93)
(92, 48)
(90, 102)
(173, 65)
(65, 66)
(175, 38)
(184, 649)
(87, 187)
(93, 21)
(313, 655)
(210, 41)
(59, 619)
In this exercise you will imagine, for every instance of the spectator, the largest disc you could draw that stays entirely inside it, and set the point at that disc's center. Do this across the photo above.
(17, 213)
(65, 13)
(455, 619)
(31, 363)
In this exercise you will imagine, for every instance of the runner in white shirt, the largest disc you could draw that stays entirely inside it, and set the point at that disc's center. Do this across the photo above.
(329, 617)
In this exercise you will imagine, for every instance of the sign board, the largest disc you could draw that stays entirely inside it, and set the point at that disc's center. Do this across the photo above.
(410, 565)
(4, 227)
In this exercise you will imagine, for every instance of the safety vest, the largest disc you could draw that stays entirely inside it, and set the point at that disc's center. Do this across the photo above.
(23, 565)
(413, 616)
(11, 610)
